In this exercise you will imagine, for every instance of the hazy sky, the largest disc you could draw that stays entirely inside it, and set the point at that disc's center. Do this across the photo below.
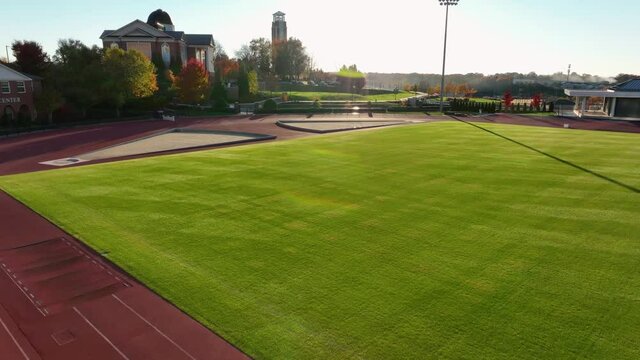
(405, 36)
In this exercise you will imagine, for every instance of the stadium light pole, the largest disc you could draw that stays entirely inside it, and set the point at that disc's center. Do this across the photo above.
(446, 3)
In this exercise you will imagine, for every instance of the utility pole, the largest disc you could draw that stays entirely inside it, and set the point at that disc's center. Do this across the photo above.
(569, 73)
(7, 49)
(446, 3)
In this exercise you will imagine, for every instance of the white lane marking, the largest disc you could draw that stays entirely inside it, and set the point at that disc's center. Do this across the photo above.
(14, 339)
(13, 279)
(153, 326)
(100, 333)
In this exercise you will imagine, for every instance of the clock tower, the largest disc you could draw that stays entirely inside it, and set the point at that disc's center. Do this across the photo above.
(278, 29)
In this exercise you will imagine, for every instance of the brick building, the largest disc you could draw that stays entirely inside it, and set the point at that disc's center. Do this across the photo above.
(159, 41)
(16, 95)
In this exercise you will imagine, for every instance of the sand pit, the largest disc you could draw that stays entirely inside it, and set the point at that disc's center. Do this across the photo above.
(176, 139)
(326, 126)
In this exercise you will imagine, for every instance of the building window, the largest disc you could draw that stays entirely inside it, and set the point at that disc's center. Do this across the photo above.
(5, 87)
(8, 113)
(201, 55)
(183, 54)
(166, 54)
(20, 87)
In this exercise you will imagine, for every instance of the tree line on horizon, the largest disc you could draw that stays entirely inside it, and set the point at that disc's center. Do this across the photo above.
(490, 85)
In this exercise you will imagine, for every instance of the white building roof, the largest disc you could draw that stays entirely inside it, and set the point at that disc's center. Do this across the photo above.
(8, 74)
(602, 93)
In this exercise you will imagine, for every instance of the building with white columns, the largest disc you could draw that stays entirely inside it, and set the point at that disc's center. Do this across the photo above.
(621, 101)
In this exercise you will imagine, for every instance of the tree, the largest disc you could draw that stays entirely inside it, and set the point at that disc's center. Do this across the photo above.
(626, 77)
(47, 101)
(252, 80)
(433, 90)
(257, 56)
(291, 59)
(129, 75)
(466, 91)
(270, 106)
(261, 50)
(30, 58)
(243, 82)
(450, 89)
(227, 68)
(193, 82)
(536, 100)
(78, 73)
(247, 82)
(351, 79)
(508, 100)
(245, 56)
(218, 91)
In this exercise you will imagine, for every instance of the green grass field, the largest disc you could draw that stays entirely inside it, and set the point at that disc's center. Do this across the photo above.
(437, 240)
(329, 96)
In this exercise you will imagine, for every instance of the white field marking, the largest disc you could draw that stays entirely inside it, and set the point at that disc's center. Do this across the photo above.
(100, 333)
(14, 339)
(30, 298)
(153, 326)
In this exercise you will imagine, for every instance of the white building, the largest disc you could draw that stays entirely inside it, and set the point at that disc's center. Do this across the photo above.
(621, 101)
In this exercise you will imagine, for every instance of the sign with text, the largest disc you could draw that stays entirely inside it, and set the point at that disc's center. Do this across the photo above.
(14, 100)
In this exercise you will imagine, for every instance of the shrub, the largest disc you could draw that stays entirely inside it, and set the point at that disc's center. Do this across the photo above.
(221, 105)
(270, 106)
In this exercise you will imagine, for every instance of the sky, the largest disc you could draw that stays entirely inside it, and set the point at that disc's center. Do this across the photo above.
(402, 36)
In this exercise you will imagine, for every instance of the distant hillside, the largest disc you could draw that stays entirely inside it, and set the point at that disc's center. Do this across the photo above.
(487, 85)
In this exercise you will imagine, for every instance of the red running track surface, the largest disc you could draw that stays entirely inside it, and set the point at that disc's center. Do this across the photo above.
(60, 300)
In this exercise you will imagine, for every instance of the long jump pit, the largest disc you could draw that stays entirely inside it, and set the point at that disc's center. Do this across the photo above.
(329, 126)
(167, 141)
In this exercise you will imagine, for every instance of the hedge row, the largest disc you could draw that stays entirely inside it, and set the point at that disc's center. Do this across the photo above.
(466, 105)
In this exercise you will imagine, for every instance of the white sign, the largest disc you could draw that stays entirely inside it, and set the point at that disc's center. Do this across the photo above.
(10, 100)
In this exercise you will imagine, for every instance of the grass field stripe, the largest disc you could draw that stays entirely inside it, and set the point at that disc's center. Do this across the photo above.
(153, 326)
(566, 162)
(100, 333)
(14, 339)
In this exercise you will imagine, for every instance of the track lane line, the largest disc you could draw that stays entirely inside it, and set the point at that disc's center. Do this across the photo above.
(24, 290)
(154, 327)
(6, 328)
(100, 333)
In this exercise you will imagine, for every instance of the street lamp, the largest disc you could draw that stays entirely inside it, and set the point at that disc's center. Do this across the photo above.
(446, 3)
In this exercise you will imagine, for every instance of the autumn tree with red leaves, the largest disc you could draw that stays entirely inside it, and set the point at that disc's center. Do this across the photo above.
(226, 68)
(192, 83)
(30, 58)
(536, 100)
(508, 100)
